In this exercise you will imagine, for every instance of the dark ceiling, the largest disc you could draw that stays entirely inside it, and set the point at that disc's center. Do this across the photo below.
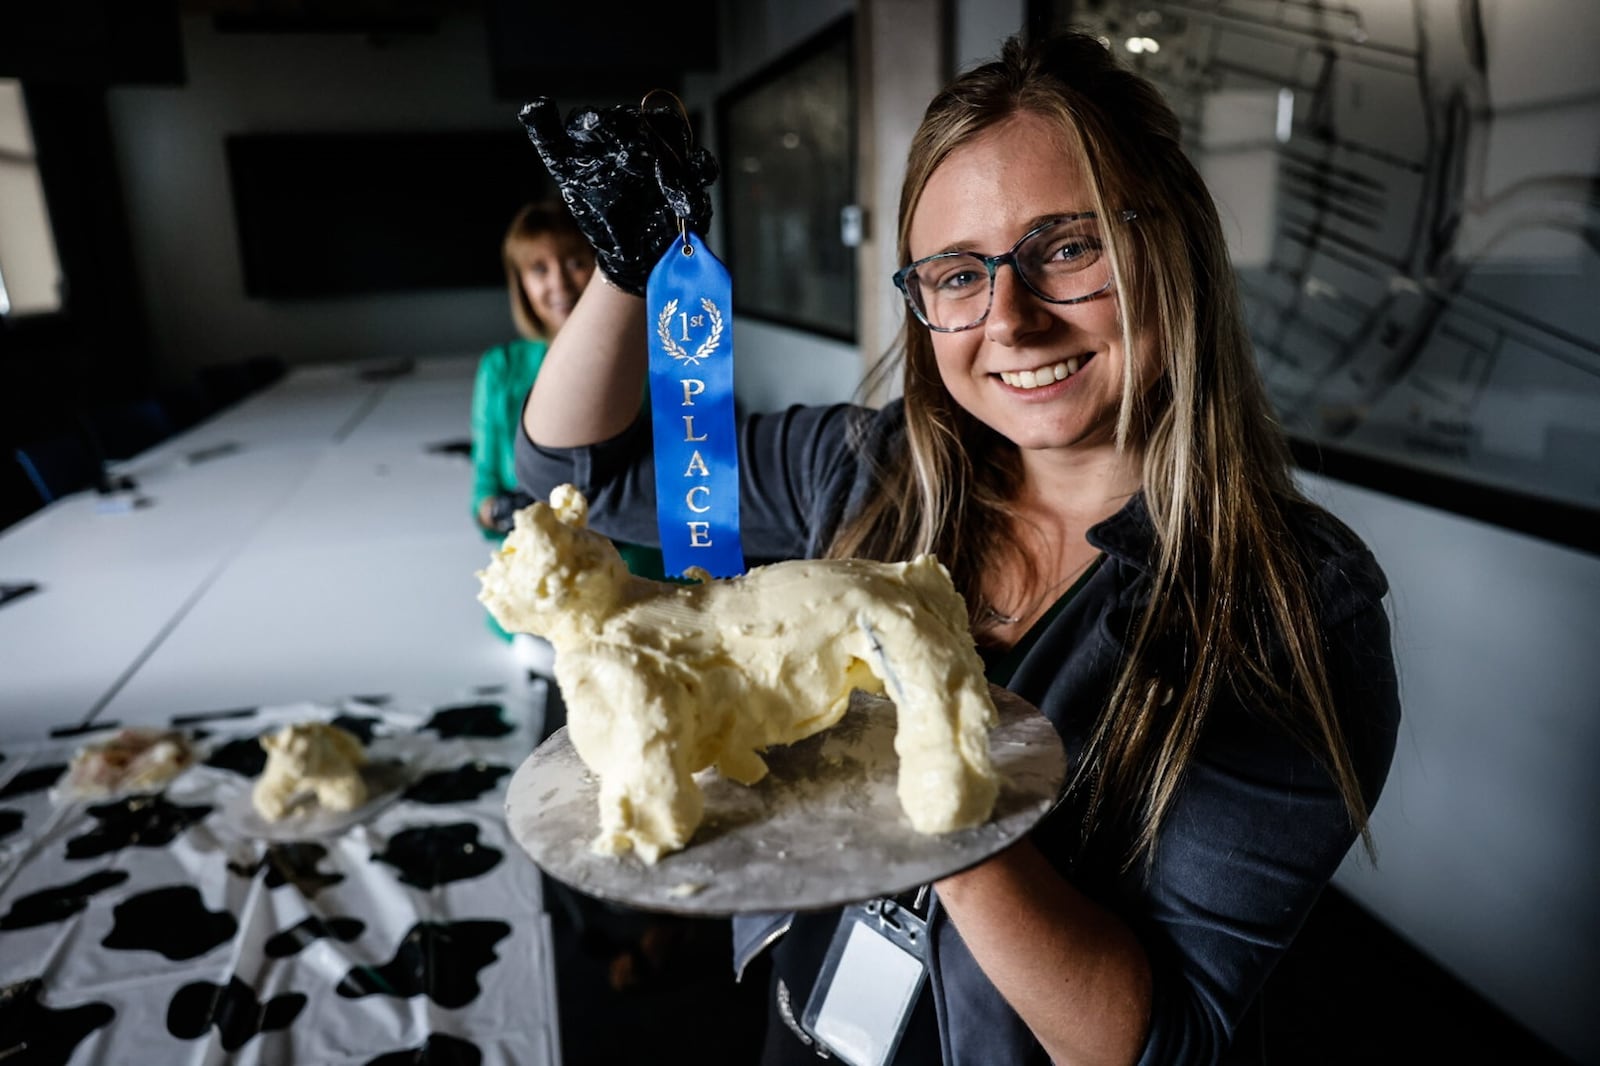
(581, 45)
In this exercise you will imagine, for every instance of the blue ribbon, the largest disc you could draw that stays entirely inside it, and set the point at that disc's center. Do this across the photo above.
(688, 299)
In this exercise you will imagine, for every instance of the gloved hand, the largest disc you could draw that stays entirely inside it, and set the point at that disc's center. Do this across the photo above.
(627, 178)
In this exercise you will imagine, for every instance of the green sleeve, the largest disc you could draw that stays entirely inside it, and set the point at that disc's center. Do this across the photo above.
(487, 439)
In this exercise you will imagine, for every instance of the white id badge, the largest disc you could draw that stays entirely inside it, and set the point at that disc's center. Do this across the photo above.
(868, 984)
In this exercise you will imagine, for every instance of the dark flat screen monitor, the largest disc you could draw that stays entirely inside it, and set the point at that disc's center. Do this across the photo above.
(326, 215)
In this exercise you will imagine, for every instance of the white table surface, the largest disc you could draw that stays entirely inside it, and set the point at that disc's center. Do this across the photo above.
(64, 647)
(115, 574)
(111, 582)
(325, 551)
(314, 404)
(323, 621)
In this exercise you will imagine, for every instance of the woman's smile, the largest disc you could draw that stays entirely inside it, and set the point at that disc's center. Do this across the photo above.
(1041, 379)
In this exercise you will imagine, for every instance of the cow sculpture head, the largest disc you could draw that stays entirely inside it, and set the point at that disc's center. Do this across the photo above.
(554, 573)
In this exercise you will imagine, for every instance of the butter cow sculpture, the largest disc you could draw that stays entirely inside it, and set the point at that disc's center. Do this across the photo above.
(662, 680)
(310, 758)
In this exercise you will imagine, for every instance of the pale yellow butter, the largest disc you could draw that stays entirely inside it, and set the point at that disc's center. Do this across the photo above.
(662, 680)
(310, 760)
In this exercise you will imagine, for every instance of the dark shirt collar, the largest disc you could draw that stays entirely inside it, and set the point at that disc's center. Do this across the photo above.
(1127, 536)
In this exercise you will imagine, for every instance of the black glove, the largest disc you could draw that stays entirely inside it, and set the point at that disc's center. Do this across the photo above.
(627, 178)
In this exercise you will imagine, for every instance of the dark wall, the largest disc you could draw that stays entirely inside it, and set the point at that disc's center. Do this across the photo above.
(56, 369)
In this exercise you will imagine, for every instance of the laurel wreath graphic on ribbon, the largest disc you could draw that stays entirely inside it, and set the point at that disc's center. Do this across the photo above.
(709, 345)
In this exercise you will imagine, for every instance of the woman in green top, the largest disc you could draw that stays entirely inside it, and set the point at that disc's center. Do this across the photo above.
(548, 262)
(547, 265)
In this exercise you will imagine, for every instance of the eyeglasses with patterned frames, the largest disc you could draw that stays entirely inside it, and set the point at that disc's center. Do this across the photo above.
(1061, 261)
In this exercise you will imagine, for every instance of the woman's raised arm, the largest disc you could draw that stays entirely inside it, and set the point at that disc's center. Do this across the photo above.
(589, 387)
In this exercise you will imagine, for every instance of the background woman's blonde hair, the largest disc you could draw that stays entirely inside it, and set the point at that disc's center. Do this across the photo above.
(543, 219)
(1228, 584)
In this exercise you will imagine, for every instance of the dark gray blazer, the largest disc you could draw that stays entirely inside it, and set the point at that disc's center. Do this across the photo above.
(1258, 828)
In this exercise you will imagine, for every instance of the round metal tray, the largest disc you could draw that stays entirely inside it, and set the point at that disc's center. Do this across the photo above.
(823, 828)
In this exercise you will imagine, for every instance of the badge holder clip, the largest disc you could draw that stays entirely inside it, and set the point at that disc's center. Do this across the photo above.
(869, 982)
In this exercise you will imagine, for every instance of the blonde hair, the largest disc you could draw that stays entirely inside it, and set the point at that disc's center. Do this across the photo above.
(531, 222)
(1227, 580)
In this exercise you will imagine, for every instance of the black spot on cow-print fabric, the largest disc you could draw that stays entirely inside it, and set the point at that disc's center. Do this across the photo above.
(232, 1008)
(246, 869)
(173, 921)
(440, 960)
(40, 1035)
(36, 780)
(296, 939)
(435, 855)
(461, 785)
(469, 720)
(10, 822)
(363, 727)
(440, 1049)
(58, 902)
(146, 821)
(215, 716)
(291, 864)
(245, 757)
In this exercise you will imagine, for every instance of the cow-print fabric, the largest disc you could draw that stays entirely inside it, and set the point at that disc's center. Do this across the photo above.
(157, 927)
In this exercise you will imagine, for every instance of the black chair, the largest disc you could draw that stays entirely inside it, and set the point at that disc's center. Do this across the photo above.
(60, 465)
(19, 498)
(130, 428)
(225, 384)
(185, 404)
(263, 370)
(228, 383)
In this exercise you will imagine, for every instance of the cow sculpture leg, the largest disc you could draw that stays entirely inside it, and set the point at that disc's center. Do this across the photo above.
(655, 805)
(943, 717)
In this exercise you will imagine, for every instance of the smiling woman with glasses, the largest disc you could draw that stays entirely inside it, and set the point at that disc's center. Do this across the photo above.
(1061, 261)
(1082, 438)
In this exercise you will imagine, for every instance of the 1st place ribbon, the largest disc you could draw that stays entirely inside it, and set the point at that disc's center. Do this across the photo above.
(688, 299)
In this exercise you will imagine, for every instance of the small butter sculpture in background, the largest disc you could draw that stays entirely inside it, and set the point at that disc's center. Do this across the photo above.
(310, 760)
(133, 759)
(662, 680)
